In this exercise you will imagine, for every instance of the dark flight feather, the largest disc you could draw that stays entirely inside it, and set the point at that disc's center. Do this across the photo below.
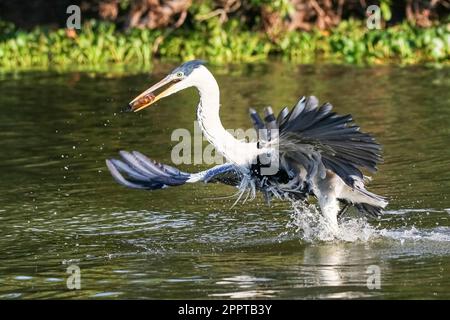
(344, 148)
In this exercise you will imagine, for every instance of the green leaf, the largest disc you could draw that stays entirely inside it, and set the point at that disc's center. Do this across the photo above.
(386, 10)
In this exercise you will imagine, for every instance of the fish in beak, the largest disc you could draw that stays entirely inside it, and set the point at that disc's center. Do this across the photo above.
(148, 97)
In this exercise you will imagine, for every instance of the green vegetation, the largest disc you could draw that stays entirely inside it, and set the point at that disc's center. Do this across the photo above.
(101, 44)
(350, 42)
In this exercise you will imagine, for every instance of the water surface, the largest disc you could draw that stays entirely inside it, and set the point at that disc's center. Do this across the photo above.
(60, 207)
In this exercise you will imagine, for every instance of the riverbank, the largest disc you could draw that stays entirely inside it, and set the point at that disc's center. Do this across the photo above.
(100, 44)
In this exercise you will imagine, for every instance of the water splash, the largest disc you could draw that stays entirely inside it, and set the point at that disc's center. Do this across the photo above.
(311, 226)
(308, 223)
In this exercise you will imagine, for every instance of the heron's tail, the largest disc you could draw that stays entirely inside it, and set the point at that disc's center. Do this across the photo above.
(365, 201)
(374, 211)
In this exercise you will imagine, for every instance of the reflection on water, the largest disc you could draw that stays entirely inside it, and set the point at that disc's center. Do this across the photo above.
(59, 206)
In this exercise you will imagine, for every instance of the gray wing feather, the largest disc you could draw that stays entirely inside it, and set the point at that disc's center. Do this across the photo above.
(137, 171)
(343, 148)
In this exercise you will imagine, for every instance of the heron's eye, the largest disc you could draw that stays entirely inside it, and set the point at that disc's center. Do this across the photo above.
(180, 74)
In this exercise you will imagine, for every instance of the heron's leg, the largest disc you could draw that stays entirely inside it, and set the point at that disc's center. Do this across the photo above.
(327, 190)
(329, 206)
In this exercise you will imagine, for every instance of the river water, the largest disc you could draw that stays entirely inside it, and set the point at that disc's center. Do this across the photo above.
(60, 208)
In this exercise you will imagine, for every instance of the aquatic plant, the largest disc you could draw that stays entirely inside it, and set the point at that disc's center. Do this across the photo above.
(100, 44)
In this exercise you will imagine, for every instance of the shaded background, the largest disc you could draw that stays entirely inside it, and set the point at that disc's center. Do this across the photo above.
(268, 15)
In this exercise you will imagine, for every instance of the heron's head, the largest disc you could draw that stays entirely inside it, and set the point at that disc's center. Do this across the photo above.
(180, 78)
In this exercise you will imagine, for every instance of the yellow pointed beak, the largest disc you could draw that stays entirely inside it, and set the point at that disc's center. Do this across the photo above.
(148, 97)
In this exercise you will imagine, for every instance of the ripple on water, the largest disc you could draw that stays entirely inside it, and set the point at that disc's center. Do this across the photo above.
(246, 294)
(437, 234)
(107, 294)
(13, 295)
(23, 278)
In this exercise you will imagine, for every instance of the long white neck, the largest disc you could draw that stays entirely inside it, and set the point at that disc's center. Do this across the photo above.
(238, 152)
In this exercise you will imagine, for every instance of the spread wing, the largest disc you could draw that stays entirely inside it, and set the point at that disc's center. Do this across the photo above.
(317, 139)
(137, 171)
